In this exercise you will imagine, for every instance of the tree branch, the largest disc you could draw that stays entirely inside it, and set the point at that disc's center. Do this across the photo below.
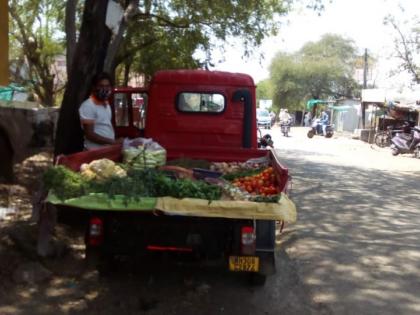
(115, 44)
(165, 21)
(405, 55)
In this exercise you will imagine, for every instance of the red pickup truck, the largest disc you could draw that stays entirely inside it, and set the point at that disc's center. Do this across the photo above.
(193, 114)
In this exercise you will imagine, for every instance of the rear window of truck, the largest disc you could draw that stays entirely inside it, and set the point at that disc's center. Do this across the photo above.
(189, 102)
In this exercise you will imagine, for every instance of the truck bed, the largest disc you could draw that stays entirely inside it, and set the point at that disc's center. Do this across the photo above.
(212, 154)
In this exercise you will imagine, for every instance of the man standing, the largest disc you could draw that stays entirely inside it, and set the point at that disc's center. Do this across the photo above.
(95, 114)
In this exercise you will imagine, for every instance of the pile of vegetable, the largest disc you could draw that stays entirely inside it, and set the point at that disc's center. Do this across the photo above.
(150, 182)
(263, 183)
(259, 185)
(143, 174)
(235, 167)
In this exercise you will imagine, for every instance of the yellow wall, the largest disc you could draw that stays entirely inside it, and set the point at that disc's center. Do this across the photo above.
(4, 43)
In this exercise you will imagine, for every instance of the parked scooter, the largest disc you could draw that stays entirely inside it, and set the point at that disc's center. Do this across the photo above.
(316, 129)
(264, 141)
(407, 143)
(285, 127)
(383, 138)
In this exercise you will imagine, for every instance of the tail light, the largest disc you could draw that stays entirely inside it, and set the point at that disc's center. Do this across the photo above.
(248, 240)
(96, 231)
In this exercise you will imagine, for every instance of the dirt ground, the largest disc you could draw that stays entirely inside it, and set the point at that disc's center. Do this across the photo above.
(353, 250)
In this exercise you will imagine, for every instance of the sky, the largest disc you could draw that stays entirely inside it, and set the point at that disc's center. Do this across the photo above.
(360, 20)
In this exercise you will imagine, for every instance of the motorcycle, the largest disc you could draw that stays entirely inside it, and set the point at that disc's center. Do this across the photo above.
(316, 129)
(407, 143)
(285, 127)
(264, 141)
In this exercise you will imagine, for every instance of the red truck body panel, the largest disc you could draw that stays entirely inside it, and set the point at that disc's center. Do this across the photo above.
(169, 126)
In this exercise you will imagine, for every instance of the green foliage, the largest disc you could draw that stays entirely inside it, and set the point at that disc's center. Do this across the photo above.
(265, 90)
(319, 70)
(168, 34)
(35, 44)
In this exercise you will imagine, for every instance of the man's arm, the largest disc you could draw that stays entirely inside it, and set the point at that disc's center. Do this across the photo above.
(94, 137)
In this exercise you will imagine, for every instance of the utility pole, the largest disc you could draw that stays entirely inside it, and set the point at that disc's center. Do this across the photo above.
(365, 69)
(4, 43)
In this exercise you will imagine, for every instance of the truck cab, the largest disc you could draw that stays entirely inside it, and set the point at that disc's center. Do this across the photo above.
(184, 109)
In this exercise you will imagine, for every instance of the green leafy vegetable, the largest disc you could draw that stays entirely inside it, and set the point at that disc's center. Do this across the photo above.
(138, 183)
(64, 183)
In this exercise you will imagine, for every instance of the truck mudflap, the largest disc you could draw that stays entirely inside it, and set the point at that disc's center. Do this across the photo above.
(284, 209)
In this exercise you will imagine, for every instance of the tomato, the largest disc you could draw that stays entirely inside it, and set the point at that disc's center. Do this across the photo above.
(272, 190)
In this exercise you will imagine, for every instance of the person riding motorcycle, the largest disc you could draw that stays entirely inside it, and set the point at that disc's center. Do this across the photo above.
(285, 121)
(284, 116)
(324, 122)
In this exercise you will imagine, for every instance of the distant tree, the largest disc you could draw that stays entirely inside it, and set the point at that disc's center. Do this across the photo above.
(318, 70)
(264, 90)
(35, 44)
(330, 65)
(287, 80)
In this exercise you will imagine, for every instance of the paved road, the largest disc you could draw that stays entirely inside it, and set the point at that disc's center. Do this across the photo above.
(356, 245)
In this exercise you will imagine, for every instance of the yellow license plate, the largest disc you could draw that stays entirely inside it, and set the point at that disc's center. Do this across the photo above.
(244, 263)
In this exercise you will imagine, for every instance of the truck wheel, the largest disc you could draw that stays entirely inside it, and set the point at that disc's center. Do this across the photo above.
(310, 134)
(257, 279)
(92, 257)
(95, 259)
(6, 159)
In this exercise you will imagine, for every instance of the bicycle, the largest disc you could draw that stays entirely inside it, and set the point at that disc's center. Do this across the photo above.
(383, 138)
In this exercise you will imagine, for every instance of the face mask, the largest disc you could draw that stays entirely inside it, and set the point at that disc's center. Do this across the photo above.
(103, 94)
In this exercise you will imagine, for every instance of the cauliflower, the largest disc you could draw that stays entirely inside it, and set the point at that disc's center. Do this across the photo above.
(101, 169)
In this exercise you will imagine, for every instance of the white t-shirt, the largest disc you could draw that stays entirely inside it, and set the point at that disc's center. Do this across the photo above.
(100, 116)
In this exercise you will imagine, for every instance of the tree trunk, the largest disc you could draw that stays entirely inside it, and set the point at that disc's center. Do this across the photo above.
(70, 28)
(88, 60)
(126, 74)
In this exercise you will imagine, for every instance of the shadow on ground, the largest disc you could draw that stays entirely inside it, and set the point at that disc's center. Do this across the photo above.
(156, 285)
(356, 242)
